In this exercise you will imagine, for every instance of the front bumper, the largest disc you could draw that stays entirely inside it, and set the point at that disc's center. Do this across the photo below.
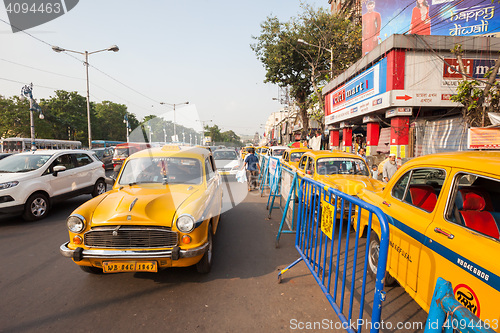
(176, 253)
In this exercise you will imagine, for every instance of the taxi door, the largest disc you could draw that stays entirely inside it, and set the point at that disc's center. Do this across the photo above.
(409, 215)
(466, 257)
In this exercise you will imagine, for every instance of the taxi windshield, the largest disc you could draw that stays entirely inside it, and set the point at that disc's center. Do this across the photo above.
(225, 155)
(22, 163)
(343, 166)
(278, 152)
(163, 170)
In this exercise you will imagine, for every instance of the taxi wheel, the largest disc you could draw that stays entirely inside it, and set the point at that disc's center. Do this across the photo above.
(91, 269)
(99, 188)
(36, 208)
(205, 264)
(373, 251)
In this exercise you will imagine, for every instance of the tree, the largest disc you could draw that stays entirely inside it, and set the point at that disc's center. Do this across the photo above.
(304, 71)
(477, 97)
(109, 124)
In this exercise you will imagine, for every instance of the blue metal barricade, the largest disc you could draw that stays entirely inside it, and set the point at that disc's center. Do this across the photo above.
(324, 220)
(274, 183)
(446, 314)
(290, 187)
(264, 174)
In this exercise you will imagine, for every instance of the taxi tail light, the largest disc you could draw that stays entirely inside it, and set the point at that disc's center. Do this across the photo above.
(104, 166)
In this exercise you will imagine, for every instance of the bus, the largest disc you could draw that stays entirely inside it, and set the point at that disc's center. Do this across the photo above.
(105, 143)
(18, 145)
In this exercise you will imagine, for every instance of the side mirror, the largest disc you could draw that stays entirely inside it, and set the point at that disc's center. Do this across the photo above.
(57, 169)
(109, 181)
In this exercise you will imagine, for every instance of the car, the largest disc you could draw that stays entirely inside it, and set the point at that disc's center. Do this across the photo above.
(106, 156)
(262, 150)
(291, 157)
(163, 211)
(4, 155)
(444, 220)
(244, 151)
(276, 151)
(346, 172)
(227, 161)
(31, 182)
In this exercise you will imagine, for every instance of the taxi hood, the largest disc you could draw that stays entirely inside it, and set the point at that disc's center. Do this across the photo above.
(352, 184)
(140, 205)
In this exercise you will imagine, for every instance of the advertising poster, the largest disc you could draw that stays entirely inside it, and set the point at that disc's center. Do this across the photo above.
(383, 18)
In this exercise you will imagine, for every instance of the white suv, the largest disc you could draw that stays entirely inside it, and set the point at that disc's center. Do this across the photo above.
(31, 182)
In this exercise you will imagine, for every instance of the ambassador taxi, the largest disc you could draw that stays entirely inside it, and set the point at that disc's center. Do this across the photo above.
(444, 220)
(346, 172)
(162, 211)
(291, 157)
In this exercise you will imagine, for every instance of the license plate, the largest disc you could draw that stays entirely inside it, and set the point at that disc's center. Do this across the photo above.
(129, 266)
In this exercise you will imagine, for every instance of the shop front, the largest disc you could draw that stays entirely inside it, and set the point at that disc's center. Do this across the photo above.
(401, 91)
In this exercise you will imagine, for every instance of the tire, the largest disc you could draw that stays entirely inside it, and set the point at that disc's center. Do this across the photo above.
(373, 251)
(36, 207)
(205, 264)
(99, 188)
(91, 269)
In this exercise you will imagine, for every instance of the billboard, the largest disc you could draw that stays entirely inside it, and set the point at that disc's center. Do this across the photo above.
(382, 18)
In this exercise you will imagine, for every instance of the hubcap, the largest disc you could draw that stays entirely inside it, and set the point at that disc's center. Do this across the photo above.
(373, 255)
(101, 188)
(38, 207)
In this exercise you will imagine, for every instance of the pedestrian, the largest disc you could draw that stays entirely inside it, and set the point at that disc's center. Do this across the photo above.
(362, 153)
(374, 171)
(390, 168)
(252, 167)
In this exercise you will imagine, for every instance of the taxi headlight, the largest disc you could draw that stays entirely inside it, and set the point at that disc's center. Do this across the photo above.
(8, 184)
(185, 223)
(76, 223)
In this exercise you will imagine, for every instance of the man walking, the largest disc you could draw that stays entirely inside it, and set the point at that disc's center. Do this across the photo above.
(252, 166)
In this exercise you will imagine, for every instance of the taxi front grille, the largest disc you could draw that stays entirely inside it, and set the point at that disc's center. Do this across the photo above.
(134, 237)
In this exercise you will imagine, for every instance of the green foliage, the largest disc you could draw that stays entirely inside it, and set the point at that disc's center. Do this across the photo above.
(306, 68)
(222, 137)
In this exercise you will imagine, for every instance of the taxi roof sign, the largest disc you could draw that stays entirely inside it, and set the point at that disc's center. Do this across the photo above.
(171, 148)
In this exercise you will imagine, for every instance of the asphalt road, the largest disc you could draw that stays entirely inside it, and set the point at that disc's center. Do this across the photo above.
(41, 291)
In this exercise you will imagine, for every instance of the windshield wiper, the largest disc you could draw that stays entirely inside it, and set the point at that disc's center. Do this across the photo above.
(6, 171)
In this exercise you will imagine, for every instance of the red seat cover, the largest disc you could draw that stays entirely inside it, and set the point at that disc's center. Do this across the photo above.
(477, 219)
(423, 196)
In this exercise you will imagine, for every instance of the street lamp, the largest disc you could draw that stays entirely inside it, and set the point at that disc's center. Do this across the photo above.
(113, 48)
(174, 105)
(27, 91)
(301, 41)
(125, 120)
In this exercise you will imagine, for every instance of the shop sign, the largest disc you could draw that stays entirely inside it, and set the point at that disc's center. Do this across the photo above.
(483, 138)
(398, 112)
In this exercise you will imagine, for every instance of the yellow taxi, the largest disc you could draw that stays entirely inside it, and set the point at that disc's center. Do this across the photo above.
(244, 151)
(444, 220)
(262, 150)
(291, 157)
(162, 211)
(346, 172)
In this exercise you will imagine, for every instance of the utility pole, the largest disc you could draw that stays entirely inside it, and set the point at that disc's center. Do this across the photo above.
(27, 91)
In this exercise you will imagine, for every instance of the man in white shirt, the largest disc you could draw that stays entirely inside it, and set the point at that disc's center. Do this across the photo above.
(389, 168)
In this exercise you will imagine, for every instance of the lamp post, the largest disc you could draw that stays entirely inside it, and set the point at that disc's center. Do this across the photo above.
(125, 120)
(113, 48)
(27, 91)
(301, 41)
(174, 105)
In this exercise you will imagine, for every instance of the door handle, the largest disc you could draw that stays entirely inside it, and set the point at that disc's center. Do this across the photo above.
(386, 203)
(441, 231)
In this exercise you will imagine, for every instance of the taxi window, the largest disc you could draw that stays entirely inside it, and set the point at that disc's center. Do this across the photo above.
(474, 203)
(420, 188)
(302, 163)
(294, 157)
(310, 166)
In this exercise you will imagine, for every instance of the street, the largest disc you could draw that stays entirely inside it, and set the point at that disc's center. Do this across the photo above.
(45, 292)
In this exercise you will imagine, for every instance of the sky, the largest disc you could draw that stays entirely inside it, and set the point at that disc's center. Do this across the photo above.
(170, 51)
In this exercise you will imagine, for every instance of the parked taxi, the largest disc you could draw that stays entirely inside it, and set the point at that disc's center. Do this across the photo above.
(444, 220)
(261, 150)
(291, 157)
(162, 211)
(244, 151)
(346, 172)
